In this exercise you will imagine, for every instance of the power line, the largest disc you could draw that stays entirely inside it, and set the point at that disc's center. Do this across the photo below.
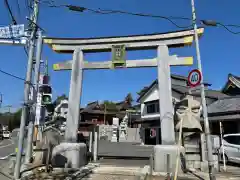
(107, 11)
(28, 7)
(215, 23)
(12, 75)
(13, 18)
(10, 12)
(16, 77)
(225, 26)
(25, 50)
(142, 15)
(18, 9)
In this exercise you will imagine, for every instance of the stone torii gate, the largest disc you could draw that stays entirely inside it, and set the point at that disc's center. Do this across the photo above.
(119, 45)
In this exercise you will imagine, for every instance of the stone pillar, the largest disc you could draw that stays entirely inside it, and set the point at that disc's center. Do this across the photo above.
(165, 97)
(74, 97)
(73, 116)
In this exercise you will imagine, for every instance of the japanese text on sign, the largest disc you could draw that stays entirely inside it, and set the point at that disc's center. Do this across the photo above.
(13, 31)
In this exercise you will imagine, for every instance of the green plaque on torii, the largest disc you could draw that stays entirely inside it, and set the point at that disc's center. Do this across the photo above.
(118, 56)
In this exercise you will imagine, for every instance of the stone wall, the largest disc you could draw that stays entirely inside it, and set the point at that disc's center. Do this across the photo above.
(133, 134)
(105, 132)
(196, 154)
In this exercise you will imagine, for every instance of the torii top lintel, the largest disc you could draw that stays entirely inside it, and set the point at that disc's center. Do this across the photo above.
(136, 42)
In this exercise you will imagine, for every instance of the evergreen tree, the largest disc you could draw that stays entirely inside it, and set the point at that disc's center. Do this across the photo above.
(129, 99)
(59, 99)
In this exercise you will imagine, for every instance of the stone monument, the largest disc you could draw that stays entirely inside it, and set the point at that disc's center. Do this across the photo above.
(115, 126)
(123, 129)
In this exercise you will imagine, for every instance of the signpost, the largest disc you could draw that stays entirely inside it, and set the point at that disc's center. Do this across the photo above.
(194, 78)
(13, 31)
(118, 56)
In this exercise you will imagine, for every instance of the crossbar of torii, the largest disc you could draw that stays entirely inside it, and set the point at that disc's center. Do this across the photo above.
(162, 42)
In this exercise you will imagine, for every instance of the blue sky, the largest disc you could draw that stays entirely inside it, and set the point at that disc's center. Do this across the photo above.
(219, 48)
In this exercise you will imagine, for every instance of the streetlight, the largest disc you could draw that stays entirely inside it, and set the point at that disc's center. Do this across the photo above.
(205, 113)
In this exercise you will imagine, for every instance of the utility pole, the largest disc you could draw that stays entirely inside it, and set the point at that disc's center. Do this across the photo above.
(205, 113)
(27, 89)
(32, 116)
(46, 67)
(10, 118)
(105, 109)
(1, 99)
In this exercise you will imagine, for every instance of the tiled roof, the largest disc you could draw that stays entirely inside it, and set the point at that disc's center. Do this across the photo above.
(229, 104)
(90, 106)
(173, 76)
(237, 77)
(231, 79)
(185, 90)
(96, 108)
(210, 93)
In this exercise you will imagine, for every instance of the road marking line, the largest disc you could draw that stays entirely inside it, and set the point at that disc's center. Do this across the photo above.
(6, 157)
(12, 143)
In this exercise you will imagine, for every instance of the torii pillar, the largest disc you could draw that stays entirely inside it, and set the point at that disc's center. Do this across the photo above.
(165, 96)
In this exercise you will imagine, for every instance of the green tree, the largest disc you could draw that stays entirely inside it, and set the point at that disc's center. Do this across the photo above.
(129, 99)
(16, 119)
(59, 99)
(109, 105)
(12, 120)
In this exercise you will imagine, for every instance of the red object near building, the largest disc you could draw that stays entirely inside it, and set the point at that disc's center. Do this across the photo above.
(153, 133)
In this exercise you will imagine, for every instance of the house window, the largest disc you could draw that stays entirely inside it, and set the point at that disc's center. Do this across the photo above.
(152, 107)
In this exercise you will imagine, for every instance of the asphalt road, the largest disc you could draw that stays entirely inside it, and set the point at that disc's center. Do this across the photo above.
(7, 147)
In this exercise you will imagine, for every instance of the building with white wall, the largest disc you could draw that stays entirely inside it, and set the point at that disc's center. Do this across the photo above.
(149, 99)
(61, 109)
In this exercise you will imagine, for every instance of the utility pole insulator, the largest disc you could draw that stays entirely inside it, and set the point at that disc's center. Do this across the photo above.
(76, 8)
(209, 22)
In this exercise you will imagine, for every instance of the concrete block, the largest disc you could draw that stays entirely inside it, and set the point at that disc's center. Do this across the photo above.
(192, 157)
(216, 163)
(160, 157)
(190, 164)
(204, 166)
(197, 165)
(72, 155)
(215, 157)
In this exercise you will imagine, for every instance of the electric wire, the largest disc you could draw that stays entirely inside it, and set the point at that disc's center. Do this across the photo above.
(142, 15)
(104, 11)
(12, 75)
(27, 7)
(25, 50)
(225, 27)
(10, 12)
(20, 78)
(18, 9)
(108, 11)
(14, 22)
